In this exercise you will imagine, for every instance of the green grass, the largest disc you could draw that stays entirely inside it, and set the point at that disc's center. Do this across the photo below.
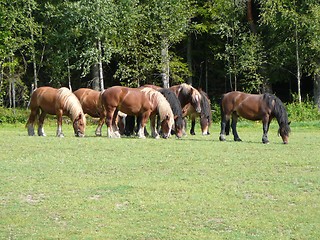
(129, 188)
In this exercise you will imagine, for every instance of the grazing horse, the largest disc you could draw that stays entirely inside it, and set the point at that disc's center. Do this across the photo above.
(48, 100)
(176, 109)
(91, 105)
(253, 107)
(187, 94)
(144, 103)
(175, 106)
(205, 115)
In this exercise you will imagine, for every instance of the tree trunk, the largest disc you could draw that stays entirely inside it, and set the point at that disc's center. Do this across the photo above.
(189, 57)
(165, 63)
(316, 90)
(298, 65)
(250, 17)
(35, 78)
(69, 74)
(95, 77)
(100, 66)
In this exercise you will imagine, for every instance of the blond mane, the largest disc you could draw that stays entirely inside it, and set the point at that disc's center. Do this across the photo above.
(70, 103)
(163, 106)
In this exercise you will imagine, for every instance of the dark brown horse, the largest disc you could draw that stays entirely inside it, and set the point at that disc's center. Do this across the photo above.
(145, 103)
(254, 107)
(205, 114)
(188, 94)
(91, 105)
(59, 102)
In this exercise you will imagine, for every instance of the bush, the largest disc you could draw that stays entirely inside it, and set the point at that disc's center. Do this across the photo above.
(303, 112)
(9, 115)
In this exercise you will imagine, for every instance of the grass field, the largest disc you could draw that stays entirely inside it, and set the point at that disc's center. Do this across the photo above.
(129, 188)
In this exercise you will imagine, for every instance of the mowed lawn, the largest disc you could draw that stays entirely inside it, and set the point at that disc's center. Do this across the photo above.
(129, 188)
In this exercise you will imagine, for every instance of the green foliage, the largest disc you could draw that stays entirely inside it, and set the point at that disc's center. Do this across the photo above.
(302, 112)
(11, 116)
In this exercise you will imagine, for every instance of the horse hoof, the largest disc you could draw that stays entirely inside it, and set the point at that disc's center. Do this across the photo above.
(237, 140)
(265, 142)
(222, 139)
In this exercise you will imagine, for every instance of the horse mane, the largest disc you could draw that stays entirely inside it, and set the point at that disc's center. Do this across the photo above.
(278, 110)
(70, 102)
(173, 101)
(205, 105)
(186, 88)
(163, 106)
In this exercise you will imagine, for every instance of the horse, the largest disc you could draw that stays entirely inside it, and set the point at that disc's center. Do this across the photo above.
(205, 114)
(144, 103)
(91, 105)
(187, 94)
(59, 102)
(175, 106)
(176, 109)
(254, 107)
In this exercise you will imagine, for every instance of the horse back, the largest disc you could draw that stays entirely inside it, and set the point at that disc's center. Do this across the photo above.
(44, 98)
(89, 100)
(249, 106)
(127, 100)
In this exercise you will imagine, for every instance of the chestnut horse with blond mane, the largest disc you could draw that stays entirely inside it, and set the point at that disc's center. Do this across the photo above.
(59, 102)
(144, 103)
(254, 107)
(91, 105)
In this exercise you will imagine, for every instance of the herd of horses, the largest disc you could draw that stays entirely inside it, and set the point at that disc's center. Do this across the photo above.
(127, 110)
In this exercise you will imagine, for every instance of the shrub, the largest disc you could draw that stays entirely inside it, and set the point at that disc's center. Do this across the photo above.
(303, 112)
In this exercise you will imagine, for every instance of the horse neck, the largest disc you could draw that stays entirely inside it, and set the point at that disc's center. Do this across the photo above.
(280, 113)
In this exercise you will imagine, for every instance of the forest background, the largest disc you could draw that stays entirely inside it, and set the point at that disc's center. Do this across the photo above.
(248, 45)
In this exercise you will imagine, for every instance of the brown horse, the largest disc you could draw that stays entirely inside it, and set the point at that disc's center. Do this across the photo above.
(59, 102)
(205, 114)
(253, 107)
(188, 94)
(91, 105)
(145, 103)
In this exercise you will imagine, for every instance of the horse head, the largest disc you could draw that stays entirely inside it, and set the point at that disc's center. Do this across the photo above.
(178, 126)
(204, 123)
(284, 131)
(79, 125)
(166, 126)
(195, 99)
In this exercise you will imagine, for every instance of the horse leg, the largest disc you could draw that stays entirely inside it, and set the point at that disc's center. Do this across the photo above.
(40, 126)
(265, 127)
(144, 118)
(234, 127)
(98, 131)
(224, 121)
(59, 123)
(193, 123)
(31, 120)
(154, 132)
(184, 133)
(115, 128)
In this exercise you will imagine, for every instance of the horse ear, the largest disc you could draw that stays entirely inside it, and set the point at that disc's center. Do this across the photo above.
(80, 116)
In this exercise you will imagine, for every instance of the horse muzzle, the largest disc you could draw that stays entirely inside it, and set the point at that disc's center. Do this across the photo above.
(79, 134)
